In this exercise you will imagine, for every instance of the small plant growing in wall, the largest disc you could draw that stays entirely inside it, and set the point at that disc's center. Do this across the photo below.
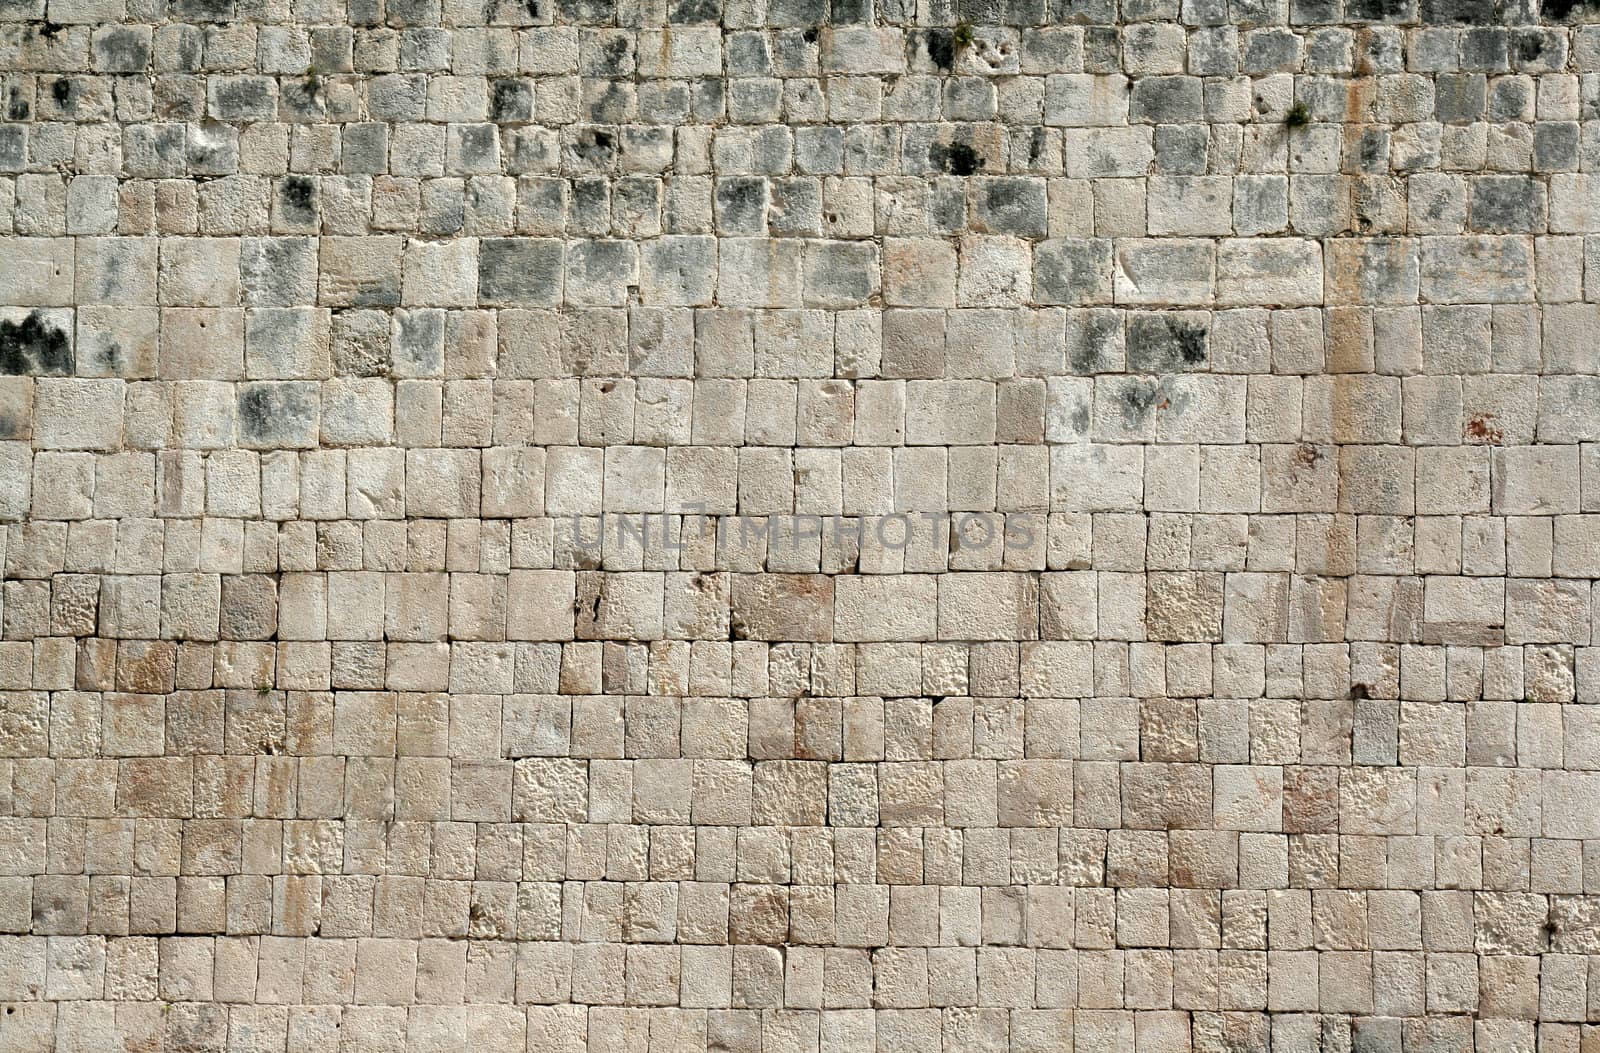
(1298, 116)
(962, 36)
(313, 82)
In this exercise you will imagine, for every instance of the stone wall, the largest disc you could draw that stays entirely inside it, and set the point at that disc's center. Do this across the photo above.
(769, 525)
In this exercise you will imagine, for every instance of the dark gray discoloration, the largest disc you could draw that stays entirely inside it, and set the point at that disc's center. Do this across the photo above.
(1072, 271)
(519, 271)
(278, 414)
(1166, 342)
(955, 159)
(1013, 206)
(35, 347)
(1507, 204)
(510, 101)
(1095, 342)
(297, 201)
(741, 206)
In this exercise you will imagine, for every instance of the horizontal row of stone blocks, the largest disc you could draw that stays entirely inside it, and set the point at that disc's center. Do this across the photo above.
(556, 605)
(690, 270)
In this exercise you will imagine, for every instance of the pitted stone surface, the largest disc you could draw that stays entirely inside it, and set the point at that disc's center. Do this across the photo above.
(790, 526)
